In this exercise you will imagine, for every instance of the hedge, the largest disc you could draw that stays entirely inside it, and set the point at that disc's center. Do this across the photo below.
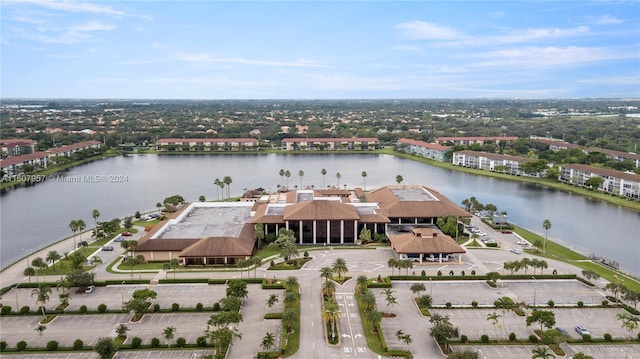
(483, 277)
(277, 315)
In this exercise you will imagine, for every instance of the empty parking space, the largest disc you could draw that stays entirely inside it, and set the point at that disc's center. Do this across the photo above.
(164, 354)
(187, 325)
(604, 351)
(473, 323)
(498, 351)
(597, 320)
(79, 355)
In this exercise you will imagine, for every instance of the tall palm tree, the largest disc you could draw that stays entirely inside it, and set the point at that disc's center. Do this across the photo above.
(546, 224)
(494, 318)
(301, 173)
(362, 283)
(338, 176)
(42, 297)
(281, 177)
(221, 185)
(368, 300)
(287, 174)
(73, 225)
(216, 183)
(373, 317)
(326, 273)
(52, 257)
(339, 267)
(259, 233)
(328, 288)
(289, 317)
(331, 313)
(227, 181)
(40, 264)
(540, 352)
(292, 284)
(393, 264)
(324, 173)
(364, 180)
(95, 214)
(29, 272)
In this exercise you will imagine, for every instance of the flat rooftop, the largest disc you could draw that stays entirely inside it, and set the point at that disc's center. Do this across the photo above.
(203, 221)
(413, 194)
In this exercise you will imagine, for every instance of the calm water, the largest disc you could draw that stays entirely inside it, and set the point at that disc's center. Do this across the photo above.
(35, 216)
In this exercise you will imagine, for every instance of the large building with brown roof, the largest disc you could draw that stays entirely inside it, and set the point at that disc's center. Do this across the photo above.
(620, 183)
(491, 161)
(221, 233)
(331, 144)
(433, 151)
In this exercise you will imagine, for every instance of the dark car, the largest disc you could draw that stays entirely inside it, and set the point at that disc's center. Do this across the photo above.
(562, 331)
(107, 248)
(126, 234)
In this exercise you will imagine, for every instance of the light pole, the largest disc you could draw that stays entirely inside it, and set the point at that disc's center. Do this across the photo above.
(431, 287)
(122, 294)
(535, 287)
(17, 304)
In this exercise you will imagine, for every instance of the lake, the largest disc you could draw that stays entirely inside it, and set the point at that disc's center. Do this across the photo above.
(32, 217)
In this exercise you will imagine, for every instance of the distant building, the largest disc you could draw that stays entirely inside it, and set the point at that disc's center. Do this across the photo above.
(206, 144)
(617, 156)
(555, 145)
(330, 144)
(13, 166)
(432, 151)
(474, 140)
(71, 149)
(17, 147)
(490, 161)
(620, 183)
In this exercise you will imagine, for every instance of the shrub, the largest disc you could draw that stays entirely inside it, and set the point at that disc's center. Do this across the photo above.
(473, 272)
(551, 303)
(484, 338)
(463, 338)
(451, 272)
(586, 337)
(175, 307)
(439, 273)
(25, 309)
(306, 254)
(52, 345)
(448, 304)
(605, 303)
(155, 342)
(201, 342)
(462, 273)
(607, 337)
(580, 304)
(21, 345)
(199, 307)
(136, 342)
(512, 337)
(181, 342)
(272, 264)
(156, 308)
(102, 308)
(474, 304)
(3, 345)
(83, 309)
(78, 344)
(5, 309)
(533, 338)
(423, 273)
(492, 244)
(216, 307)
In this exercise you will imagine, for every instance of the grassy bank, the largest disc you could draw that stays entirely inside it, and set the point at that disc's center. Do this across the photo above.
(564, 254)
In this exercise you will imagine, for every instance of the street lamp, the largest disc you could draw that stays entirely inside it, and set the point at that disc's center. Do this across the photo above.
(17, 304)
(535, 287)
(431, 287)
(122, 294)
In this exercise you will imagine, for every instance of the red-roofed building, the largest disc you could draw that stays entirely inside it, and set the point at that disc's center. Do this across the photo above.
(474, 140)
(620, 183)
(331, 144)
(617, 156)
(556, 145)
(71, 149)
(207, 144)
(17, 147)
(12, 166)
(490, 161)
(433, 151)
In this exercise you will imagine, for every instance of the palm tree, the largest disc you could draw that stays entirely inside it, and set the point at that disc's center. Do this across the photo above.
(259, 233)
(29, 272)
(328, 288)
(324, 173)
(373, 317)
(273, 299)
(393, 264)
(339, 267)
(40, 329)
(326, 273)
(541, 353)
(292, 284)
(546, 224)
(338, 176)
(629, 322)
(494, 318)
(364, 180)
(368, 300)
(289, 252)
(281, 177)
(168, 334)
(331, 313)
(52, 257)
(301, 173)
(289, 317)
(227, 181)
(216, 183)
(40, 264)
(122, 330)
(73, 225)
(95, 214)
(362, 283)
(268, 341)
(42, 297)
(399, 179)
(287, 174)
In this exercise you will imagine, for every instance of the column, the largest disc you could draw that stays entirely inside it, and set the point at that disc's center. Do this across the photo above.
(342, 231)
(328, 232)
(355, 231)
(301, 230)
(314, 231)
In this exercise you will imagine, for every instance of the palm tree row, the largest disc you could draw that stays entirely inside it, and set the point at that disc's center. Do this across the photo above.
(76, 225)
(400, 264)
(525, 263)
(221, 184)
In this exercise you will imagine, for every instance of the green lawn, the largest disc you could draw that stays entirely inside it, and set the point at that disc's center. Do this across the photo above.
(146, 223)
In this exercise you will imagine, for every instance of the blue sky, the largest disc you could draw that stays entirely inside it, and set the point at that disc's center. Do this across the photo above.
(319, 50)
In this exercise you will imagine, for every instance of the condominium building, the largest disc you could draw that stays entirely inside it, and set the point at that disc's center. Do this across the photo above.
(620, 183)
(432, 151)
(490, 161)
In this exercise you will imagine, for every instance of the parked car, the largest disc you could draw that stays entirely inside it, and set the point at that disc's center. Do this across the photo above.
(516, 250)
(562, 331)
(581, 330)
(107, 248)
(126, 234)
(118, 239)
(522, 242)
(90, 289)
(506, 231)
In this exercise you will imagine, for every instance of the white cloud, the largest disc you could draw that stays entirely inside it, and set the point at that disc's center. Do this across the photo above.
(77, 7)
(607, 20)
(618, 80)
(208, 58)
(409, 48)
(91, 26)
(420, 30)
(548, 56)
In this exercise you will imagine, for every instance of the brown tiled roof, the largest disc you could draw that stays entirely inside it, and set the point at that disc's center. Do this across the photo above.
(223, 246)
(22, 158)
(374, 218)
(330, 139)
(162, 244)
(331, 192)
(74, 146)
(629, 155)
(393, 207)
(409, 243)
(433, 146)
(321, 210)
(205, 140)
(558, 143)
(477, 138)
(260, 216)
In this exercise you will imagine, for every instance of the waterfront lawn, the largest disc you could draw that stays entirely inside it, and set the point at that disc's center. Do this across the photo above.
(146, 223)
(63, 266)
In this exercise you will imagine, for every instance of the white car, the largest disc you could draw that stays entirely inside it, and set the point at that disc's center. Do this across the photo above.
(522, 242)
(516, 250)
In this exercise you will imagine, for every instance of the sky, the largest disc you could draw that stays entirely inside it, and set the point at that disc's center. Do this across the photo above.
(319, 50)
